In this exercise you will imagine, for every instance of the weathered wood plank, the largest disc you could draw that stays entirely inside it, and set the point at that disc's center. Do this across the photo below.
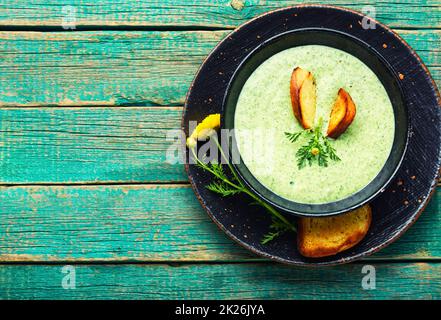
(144, 223)
(100, 68)
(88, 145)
(202, 13)
(121, 67)
(81, 145)
(224, 281)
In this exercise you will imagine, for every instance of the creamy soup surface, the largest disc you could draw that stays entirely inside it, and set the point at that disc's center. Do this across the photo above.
(264, 114)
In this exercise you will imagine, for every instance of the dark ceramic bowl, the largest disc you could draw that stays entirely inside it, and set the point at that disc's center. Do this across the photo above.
(375, 62)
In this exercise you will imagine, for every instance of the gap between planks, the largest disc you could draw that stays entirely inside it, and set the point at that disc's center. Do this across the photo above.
(122, 27)
(178, 263)
(161, 28)
(134, 185)
(76, 107)
(145, 184)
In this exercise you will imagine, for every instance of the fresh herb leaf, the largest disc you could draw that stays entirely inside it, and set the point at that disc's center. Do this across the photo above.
(226, 186)
(330, 150)
(218, 170)
(293, 137)
(270, 236)
(279, 229)
(318, 149)
(222, 188)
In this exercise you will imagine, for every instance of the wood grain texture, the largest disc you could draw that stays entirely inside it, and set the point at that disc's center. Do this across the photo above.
(100, 68)
(204, 13)
(83, 145)
(150, 223)
(123, 68)
(145, 223)
(228, 281)
(88, 145)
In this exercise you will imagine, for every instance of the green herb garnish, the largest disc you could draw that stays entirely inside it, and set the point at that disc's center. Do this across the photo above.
(279, 229)
(229, 185)
(317, 150)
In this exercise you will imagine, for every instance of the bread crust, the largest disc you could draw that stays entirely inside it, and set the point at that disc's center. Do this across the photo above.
(298, 78)
(294, 91)
(344, 100)
(309, 244)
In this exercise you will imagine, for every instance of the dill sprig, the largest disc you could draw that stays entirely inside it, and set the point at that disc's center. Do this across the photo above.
(222, 188)
(317, 150)
(279, 229)
(293, 137)
(330, 150)
(229, 185)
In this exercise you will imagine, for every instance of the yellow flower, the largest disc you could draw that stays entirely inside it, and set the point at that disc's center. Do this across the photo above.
(315, 151)
(204, 129)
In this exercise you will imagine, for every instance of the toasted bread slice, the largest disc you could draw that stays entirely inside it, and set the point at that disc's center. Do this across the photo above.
(307, 101)
(342, 114)
(303, 96)
(322, 237)
(298, 76)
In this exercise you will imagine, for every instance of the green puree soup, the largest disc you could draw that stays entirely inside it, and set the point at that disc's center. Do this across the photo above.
(264, 113)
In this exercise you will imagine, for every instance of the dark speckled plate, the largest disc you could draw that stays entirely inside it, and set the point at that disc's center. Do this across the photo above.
(394, 210)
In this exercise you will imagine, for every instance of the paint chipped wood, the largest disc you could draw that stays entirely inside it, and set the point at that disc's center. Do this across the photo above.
(89, 145)
(221, 281)
(106, 68)
(145, 223)
(197, 13)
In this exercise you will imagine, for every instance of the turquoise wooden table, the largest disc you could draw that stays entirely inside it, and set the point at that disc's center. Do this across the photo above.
(84, 182)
